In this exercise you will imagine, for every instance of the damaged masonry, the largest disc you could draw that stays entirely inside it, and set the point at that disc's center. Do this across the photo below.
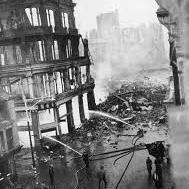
(56, 133)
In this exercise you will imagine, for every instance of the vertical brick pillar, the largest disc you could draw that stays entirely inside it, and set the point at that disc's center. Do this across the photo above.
(71, 19)
(66, 80)
(91, 100)
(81, 108)
(57, 118)
(70, 118)
(35, 128)
(51, 84)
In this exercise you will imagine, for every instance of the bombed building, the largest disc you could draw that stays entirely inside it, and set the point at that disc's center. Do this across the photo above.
(42, 66)
(52, 132)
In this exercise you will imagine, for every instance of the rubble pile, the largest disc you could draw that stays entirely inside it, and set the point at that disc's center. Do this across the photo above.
(137, 103)
(141, 100)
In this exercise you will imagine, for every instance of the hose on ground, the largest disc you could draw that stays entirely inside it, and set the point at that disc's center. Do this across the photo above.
(108, 156)
(121, 157)
(76, 176)
(127, 163)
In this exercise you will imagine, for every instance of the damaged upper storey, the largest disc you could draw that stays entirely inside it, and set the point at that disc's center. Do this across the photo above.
(40, 37)
(32, 20)
(43, 58)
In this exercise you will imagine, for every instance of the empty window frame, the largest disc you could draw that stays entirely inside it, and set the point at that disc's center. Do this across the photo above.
(42, 50)
(2, 142)
(33, 16)
(59, 82)
(46, 84)
(2, 59)
(83, 74)
(65, 21)
(55, 52)
(50, 19)
(69, 48)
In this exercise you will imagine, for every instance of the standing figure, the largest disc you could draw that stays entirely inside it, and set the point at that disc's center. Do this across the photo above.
(149, 166)
(86, 159)
(101, 174)
(156, 180)
(86, 48)
(51, 173)
(158, 171)
(167, 154)
(161, 150)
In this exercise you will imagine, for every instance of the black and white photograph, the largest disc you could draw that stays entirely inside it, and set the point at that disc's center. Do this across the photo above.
(94, 94)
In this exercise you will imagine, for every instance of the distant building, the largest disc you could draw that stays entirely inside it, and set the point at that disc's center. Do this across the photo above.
(125, 50)
(107, 23)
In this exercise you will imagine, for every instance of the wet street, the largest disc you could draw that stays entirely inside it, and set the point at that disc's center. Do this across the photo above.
(136, 175)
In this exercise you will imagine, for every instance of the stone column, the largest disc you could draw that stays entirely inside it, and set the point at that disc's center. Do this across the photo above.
(70, 118)
(81, 108)
(71, 19)
(62, 43)
(173, 63)
(75, 45)
(35, 128)
(48, 48)
(57, 118)
(91, 100)
(78, 75)
(66, 80)
(43, 15)
(26, 53)
(88, 74)
(41, 86)
(58, 20)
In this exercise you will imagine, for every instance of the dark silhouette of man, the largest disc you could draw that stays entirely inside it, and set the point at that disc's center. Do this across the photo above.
(156, 180)
(51, 173)
(101, 174)
(161, 150)
(149, 166)
(158, 170)
(86, 159)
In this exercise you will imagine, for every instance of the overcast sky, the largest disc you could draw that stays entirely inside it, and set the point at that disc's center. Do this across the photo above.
(131, 12)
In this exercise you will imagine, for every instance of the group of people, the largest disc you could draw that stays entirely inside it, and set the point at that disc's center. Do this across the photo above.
(159, 152)
(101, 174)
(157, 175)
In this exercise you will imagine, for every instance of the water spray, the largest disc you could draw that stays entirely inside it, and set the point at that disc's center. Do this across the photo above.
(108, 116)
(51, 138)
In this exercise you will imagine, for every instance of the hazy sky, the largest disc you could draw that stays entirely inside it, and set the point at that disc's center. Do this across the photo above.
(131, 12)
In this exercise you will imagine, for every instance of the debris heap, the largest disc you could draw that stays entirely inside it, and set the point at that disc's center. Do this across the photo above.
(138, 103)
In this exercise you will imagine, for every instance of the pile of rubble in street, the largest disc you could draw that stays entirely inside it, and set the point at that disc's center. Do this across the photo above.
(138, 103)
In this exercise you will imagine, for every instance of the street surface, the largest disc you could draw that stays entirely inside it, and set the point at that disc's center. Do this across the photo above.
(136, 176)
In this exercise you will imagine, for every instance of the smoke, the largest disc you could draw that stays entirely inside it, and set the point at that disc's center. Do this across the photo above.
(121, 53)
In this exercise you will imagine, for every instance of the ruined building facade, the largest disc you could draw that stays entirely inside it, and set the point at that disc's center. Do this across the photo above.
(41, 64)
(9, 141)
(174, 14)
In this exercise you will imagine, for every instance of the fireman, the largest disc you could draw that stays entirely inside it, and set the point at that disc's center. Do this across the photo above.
(149, 166)
(86, 159)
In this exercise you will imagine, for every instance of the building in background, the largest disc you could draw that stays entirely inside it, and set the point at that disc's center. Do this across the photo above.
(121, 52)
(42, 66)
